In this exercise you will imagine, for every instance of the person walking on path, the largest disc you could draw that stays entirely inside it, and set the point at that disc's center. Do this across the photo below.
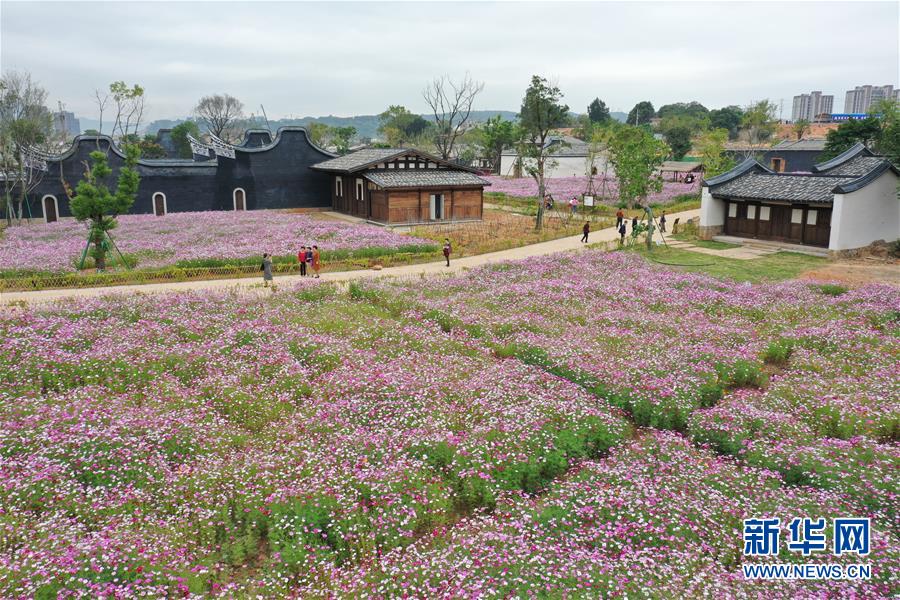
(662, 222)
(447, 250)
(622, 234)
(267, 268)
(301, 258)
(316, 264)
(573, 203)
(585, 231)
(309, 255)
(620, 217)
(634, 224)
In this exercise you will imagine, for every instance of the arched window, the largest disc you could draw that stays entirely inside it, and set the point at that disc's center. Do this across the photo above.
(240, 199)
(159, 204)
(51, 208)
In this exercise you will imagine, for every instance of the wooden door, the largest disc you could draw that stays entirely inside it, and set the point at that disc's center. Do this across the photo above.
(731, 227)
(239, 203)
(817, 227)
(746, 221)
(795, 226)
(50, 215)
(159, 205)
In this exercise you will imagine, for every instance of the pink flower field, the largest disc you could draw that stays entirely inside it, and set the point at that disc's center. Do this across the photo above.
(161, 241)
(563, 188)
(554, 428)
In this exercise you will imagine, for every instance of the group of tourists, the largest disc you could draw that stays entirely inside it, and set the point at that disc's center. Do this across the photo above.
(620, 224)
(307, 257)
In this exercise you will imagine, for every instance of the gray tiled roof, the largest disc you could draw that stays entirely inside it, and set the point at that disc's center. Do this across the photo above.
(404, 178)
(799, 145)
(358, 159)
(855, 167)
(789, 188)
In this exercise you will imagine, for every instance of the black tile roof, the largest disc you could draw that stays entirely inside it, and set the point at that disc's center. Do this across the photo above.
(369, 158)
(359, 159)
(411, 178)
(855, 167)
(857, 149)
(800, 189)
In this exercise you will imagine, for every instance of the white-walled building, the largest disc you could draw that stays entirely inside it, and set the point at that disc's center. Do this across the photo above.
(846, 203)
(570, 159)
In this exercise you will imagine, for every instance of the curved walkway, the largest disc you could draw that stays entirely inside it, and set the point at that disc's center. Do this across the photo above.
(456, 265)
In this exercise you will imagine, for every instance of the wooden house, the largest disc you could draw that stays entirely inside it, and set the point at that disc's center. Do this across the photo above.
(403, 186)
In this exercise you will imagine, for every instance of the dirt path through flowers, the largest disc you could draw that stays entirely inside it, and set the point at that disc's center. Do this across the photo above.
(456, 265)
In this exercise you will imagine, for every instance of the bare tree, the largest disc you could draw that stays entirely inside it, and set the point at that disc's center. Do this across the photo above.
(128, 103)
(451, 103)
(26, 138)
(221, 113)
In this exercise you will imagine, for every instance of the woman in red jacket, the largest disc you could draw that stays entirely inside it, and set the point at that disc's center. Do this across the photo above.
(301, 256)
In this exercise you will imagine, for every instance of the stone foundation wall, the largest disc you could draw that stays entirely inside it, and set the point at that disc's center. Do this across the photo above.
(706, 232)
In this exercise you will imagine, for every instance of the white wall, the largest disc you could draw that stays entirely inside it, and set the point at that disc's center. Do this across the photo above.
(712, 210)
(866, 215)
(566, 166)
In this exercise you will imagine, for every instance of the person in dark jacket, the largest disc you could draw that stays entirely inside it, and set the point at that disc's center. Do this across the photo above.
(622, 233)
(301, 258)
(267, 268)
(447, 250)
(634, 224)
(585, 231)
(662, 222)
(309, 258)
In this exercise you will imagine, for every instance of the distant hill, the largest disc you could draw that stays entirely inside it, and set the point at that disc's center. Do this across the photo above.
(366, 125)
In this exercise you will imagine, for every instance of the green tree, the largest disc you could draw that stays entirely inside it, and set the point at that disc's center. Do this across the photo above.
(496, 135)
(636, 154)
(180, 135)
(25, 125)
(759, 122)
(541, 112)
(95, 202)
(150, 149)
(888, 144)
(597, 112)
(868, 131)
(341, 138)
(318, 133)
(693, 110)
(641, 113)
(800, 128)
(711, 147)
(399, 127)
(678, 137)
(727, 118)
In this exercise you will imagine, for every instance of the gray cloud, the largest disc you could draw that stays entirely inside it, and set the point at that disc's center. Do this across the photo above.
(356, 58)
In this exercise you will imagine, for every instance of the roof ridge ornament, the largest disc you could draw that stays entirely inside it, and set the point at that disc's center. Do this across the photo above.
(198, 147)
(221, 147)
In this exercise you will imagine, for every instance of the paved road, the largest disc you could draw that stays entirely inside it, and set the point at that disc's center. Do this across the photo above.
(562, 244)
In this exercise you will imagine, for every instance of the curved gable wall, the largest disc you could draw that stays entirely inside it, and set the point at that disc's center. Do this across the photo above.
(276, 176)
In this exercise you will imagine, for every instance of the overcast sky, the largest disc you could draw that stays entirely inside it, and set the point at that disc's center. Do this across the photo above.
(302, 59)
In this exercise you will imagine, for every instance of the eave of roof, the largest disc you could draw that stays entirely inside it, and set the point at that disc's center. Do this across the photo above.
(843, 157)
(864, 180)
(386, 157)
(750, 164)
(413, 178)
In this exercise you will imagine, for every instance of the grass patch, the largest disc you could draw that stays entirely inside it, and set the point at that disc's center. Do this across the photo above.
(773, 267)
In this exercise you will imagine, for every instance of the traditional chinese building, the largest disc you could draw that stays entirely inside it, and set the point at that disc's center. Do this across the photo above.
(262, 173)
(846, 203)
(403, 186)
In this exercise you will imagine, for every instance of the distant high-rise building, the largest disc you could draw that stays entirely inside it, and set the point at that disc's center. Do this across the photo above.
(65, 122)
(861, 98)
(809, 106)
